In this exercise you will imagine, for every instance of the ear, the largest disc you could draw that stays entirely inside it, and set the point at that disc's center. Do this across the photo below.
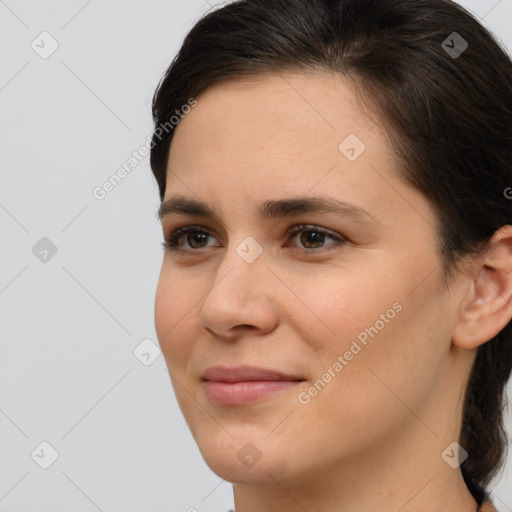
(488, 308)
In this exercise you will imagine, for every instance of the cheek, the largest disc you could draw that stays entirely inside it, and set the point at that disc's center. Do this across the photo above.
(337, 307)
(371, 396)
(173, 324)
(387, 337)
(177, 332)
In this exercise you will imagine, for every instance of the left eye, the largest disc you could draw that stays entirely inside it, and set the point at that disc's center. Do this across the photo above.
(312, 235)
(312, 238)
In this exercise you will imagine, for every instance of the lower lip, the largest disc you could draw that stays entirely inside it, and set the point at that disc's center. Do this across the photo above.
(242, 393)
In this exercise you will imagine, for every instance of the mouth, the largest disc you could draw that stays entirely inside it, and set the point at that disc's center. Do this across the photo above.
(244, 385)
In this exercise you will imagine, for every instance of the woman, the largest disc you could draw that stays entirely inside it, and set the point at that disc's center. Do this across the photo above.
(335, 298)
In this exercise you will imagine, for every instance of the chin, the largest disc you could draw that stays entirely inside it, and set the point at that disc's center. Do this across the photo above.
(240, 458)
(260, 462)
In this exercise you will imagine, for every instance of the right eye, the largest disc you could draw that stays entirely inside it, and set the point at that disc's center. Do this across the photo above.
(194, 235)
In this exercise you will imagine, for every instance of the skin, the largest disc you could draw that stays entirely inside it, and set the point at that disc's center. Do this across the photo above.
(374, 435)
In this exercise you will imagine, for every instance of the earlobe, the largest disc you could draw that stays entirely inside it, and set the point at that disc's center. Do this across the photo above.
(489, 309)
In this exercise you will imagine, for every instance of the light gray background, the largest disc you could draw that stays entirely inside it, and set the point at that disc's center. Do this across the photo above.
(70, 325)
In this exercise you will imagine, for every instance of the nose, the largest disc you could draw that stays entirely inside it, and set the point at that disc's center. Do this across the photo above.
(242, 297)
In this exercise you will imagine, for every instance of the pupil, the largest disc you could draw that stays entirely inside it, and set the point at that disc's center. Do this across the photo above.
(311, 237)
(195, 236)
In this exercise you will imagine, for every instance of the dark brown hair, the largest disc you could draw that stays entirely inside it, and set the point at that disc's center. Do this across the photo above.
(447, 109)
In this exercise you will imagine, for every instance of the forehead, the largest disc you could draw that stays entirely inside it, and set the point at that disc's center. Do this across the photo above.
(282, 136)
(290, 115)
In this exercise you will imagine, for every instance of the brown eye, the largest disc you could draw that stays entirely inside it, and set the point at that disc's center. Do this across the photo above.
(313, 237)
(195, 236)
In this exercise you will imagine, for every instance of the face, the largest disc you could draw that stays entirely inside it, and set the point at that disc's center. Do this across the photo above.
(338, 292)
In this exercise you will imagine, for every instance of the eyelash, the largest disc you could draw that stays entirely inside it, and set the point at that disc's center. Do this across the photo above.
(171, 242)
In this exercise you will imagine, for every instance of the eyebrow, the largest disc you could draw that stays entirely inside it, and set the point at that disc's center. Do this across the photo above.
(271, 209)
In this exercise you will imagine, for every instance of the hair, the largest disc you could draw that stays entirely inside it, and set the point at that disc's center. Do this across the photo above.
(448, 116)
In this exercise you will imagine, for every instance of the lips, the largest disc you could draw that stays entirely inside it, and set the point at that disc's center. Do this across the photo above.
(245, 385)
(245, 373)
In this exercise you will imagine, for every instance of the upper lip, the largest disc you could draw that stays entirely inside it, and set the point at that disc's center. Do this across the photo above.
(244, 373)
